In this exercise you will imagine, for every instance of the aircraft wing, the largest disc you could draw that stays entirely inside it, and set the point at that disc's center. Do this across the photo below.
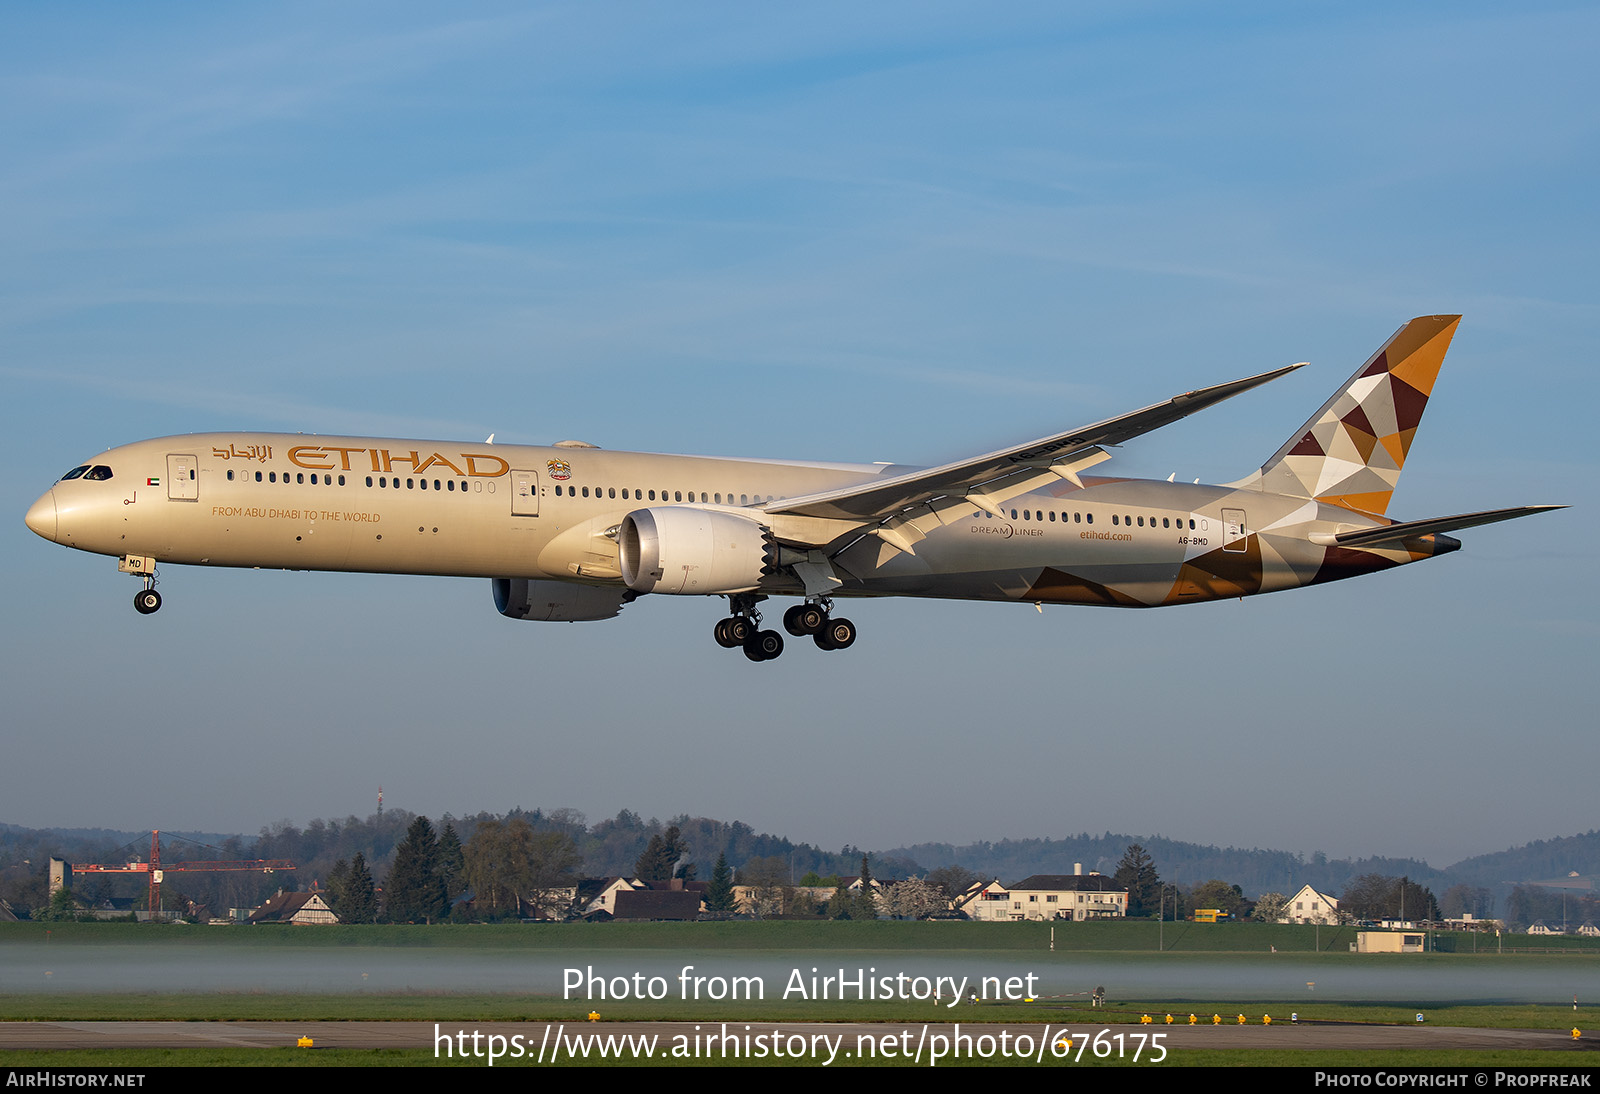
(983, 482)
(1412, 529)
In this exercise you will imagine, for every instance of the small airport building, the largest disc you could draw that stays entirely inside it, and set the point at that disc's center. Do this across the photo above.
(1389, 942)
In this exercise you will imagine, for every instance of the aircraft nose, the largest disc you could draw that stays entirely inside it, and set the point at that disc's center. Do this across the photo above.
(42, 516)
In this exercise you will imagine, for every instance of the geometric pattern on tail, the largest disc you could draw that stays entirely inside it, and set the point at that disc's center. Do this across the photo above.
(1351, 452)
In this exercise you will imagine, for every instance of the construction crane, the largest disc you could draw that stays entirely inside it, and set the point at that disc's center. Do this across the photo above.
(156, 869)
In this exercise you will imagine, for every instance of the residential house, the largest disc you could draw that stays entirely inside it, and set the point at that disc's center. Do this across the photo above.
(1310, 906)
(296, 908)
(1077, 897)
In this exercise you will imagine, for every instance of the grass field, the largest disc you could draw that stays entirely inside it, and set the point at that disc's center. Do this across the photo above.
(1103, 936)
(1128, 942)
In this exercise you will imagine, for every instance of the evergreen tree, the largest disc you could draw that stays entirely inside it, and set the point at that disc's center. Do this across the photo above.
(414, 889)
(867, 901)
(719, 894)
(660, 858)
(451, 862)
(840, 905)
(338, 888)
(361, 899)
(1137, 873)
(61, 909)
(646, 865)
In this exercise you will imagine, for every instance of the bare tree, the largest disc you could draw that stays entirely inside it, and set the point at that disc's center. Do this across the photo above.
(499, 865)
(552, 868)
(768, 877)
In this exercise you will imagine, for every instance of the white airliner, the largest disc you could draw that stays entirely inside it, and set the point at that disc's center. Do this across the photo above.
(571, 532)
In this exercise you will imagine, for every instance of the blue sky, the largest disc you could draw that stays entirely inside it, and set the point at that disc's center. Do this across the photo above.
(900, 232)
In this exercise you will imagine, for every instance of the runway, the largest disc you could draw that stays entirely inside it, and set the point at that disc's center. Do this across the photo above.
(893, 1039)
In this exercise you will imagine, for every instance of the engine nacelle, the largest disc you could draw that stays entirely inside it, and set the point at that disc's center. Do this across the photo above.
(555, 601)
(693, 551)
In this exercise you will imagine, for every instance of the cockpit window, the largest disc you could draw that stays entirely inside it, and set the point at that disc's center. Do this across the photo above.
(99, 472)
(74, 473)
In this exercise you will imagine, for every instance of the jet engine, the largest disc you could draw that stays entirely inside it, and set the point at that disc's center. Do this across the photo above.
(694, 551)
(555, 601)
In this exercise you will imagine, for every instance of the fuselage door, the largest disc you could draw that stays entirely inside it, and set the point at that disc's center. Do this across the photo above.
(1234, 531)
(524, 493)
(183, 482)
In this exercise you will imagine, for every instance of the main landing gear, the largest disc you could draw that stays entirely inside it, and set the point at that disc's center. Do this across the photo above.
(146, 601)
(743, 627)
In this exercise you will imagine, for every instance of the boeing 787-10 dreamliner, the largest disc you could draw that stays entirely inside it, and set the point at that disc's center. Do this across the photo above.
(571, 532)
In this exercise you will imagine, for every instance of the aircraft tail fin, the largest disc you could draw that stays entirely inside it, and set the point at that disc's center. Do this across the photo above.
(1350, 453)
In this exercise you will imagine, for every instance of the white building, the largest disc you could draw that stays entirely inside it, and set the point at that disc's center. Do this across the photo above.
(1046, 896)
(1310, 906)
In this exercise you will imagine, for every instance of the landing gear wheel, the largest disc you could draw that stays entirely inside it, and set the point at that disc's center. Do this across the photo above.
(838, 634)
(804, 619)
(146, 601)
(724, 639)
(763, 645)
(740, 629)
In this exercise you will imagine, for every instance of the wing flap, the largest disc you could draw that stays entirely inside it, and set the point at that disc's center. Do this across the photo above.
(1010, 471)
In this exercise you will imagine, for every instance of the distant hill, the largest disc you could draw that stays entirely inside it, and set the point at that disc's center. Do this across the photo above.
(1255, 870)
(611, 846)
(1541, 859)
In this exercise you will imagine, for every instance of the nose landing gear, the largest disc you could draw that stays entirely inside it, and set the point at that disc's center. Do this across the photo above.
(146, 600)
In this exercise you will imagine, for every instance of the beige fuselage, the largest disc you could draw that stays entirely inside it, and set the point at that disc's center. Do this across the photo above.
(508, 511)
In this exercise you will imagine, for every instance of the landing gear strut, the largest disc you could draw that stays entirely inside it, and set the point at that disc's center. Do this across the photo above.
(146, 600)
(815, 618)
(743, 628)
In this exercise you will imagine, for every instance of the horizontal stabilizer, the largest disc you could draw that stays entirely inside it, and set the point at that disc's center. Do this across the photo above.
(1412, 529)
